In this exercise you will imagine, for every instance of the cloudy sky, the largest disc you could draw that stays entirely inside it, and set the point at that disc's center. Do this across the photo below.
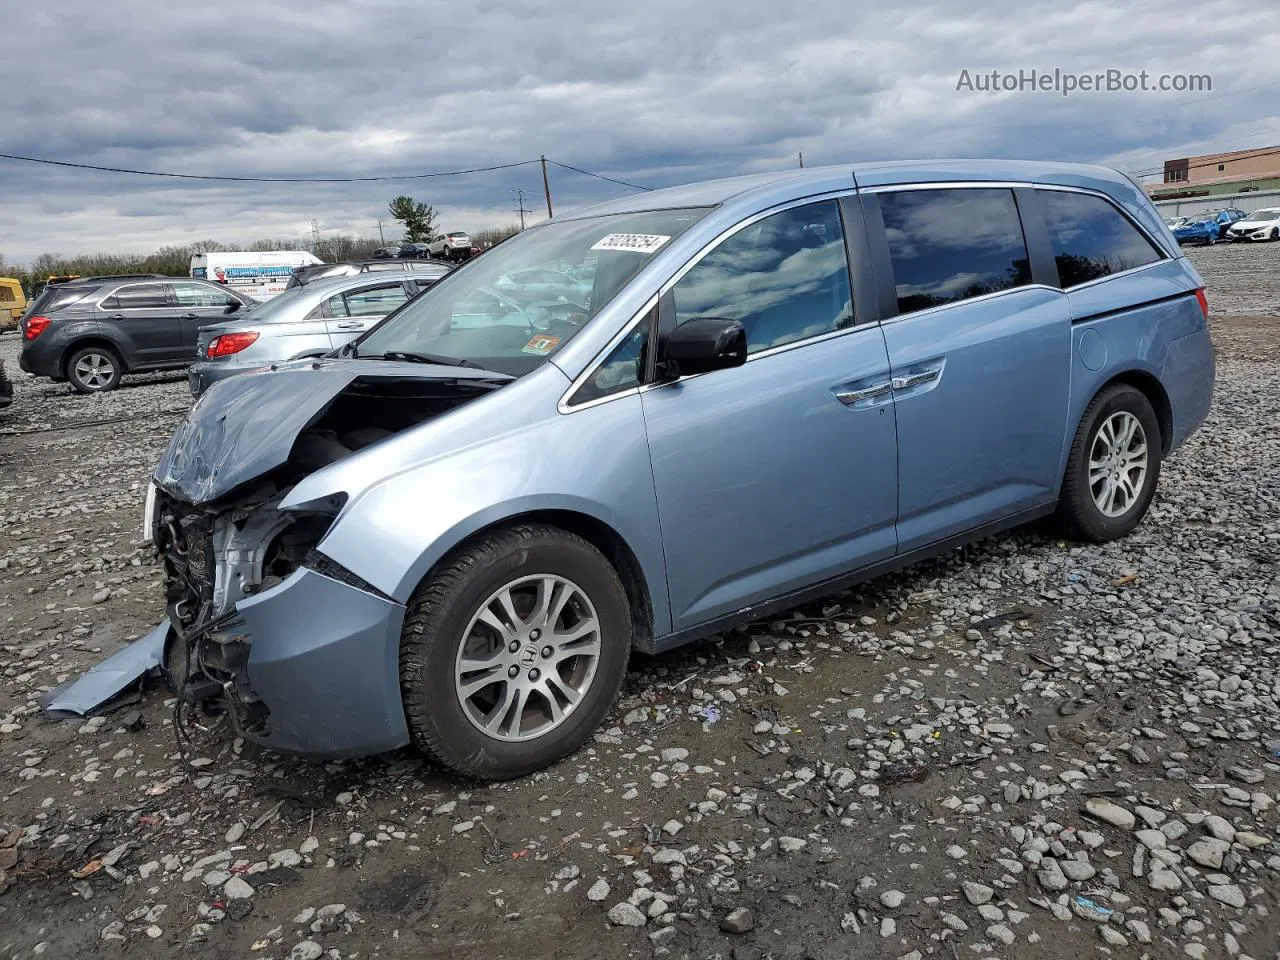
(656, 93)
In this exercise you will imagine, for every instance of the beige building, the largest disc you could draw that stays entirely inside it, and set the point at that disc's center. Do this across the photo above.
(1256, 169)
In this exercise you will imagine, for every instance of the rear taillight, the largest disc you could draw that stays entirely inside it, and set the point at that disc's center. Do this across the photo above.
(229, 343)
(1204, 302)
(35, 326)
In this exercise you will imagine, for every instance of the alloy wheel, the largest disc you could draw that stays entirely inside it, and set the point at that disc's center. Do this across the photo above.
(528, 657)
(95, 370)
(1118, 464)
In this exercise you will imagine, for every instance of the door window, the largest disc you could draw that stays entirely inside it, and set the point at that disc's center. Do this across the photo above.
(195, 295)
(137, 296)
(785, 278)
(374, 301)
(1091, 238)
(948, 245)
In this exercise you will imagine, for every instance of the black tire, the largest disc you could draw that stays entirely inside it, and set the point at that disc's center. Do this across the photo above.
(439, 613)
(86, 382)
(1275, 233)
(1078, 515)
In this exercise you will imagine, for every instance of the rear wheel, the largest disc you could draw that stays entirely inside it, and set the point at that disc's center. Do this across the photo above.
(94, 369)
(513, 652)
(1113, 466)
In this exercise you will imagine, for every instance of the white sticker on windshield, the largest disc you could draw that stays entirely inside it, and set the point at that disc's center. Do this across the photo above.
(635, 242)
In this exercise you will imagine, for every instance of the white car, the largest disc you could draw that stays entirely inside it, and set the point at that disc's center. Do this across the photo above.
(452, 246)
(1259, 225)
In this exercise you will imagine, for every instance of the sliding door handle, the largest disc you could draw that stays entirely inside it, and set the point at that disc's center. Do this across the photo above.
(848, 396)
(915, 379)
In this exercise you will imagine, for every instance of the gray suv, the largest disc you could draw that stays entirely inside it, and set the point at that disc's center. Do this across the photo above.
(94, 330)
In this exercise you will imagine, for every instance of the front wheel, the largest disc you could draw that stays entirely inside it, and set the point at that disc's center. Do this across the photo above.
(1275, 233)
(513, 652)
(1113, 466)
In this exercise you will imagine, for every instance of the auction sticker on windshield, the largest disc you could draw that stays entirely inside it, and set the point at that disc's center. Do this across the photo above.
(540, 345)
(635, 242)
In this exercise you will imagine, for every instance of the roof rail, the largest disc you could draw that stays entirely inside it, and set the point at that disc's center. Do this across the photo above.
(132, 276)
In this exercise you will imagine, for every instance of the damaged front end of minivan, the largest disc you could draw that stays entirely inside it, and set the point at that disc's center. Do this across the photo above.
(263, 624)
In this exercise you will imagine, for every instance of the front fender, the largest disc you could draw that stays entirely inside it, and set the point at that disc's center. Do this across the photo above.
(593, 462)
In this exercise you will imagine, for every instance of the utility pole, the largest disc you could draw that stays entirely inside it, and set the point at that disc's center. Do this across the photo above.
(315, 234)
(546, 186)
(519, 192)
(381, 239)
(802, 158)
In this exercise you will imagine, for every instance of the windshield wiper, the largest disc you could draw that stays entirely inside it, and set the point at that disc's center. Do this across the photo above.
(427, 358)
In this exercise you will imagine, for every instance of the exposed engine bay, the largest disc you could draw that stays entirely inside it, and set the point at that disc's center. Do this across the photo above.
(219, 553)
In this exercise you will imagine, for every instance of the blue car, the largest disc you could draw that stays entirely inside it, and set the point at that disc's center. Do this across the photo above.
(1207, 228)
(454, 532)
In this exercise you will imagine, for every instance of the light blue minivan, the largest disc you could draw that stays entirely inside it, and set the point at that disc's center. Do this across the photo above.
(454, 531)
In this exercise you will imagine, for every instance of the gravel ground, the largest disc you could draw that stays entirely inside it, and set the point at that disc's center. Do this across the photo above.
(1029, 748)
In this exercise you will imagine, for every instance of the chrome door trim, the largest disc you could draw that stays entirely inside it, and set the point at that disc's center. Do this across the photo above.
(926, 311)
(850, 397)
(915, 379)
(97, 304)
(754, 218)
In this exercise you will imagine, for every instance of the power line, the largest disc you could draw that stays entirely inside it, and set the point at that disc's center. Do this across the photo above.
(1226, 158)
(598, 176)
(201, 176)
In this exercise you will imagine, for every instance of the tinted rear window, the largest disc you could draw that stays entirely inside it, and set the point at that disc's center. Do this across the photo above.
(949, 245)
(60, 296)
(1091, 238)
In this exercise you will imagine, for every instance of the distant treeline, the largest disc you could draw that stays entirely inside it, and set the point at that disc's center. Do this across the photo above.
(175, 261)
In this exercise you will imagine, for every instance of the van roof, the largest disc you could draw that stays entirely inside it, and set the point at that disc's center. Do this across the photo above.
(762, 190)
(810, 180)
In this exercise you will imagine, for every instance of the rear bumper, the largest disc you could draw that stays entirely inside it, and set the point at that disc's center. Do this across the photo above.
(324, 662)
(202, 375)
(1188, 378)
(39, 359)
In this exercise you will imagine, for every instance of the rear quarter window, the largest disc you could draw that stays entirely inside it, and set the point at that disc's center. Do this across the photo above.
(59, 297)
(1091, 239)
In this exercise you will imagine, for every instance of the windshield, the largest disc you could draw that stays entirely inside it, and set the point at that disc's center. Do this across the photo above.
(1272, 214)
(522, 301)
(1204, 218)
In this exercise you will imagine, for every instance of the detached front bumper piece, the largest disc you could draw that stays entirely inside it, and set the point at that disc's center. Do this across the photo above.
(316, 668)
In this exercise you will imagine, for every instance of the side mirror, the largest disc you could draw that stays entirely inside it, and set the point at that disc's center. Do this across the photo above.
(701, 345)
(233, 306)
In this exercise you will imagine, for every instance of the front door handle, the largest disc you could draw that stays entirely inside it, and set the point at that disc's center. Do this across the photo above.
(914, 379)
(351, 325)
(850, 397)
(190, 316)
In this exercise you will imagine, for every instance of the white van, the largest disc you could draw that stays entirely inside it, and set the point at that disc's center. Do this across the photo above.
(261, 275)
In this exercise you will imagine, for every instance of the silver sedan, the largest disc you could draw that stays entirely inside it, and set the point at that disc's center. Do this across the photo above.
(306, 321)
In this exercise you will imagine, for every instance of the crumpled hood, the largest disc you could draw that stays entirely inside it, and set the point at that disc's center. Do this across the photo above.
(245, 426)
